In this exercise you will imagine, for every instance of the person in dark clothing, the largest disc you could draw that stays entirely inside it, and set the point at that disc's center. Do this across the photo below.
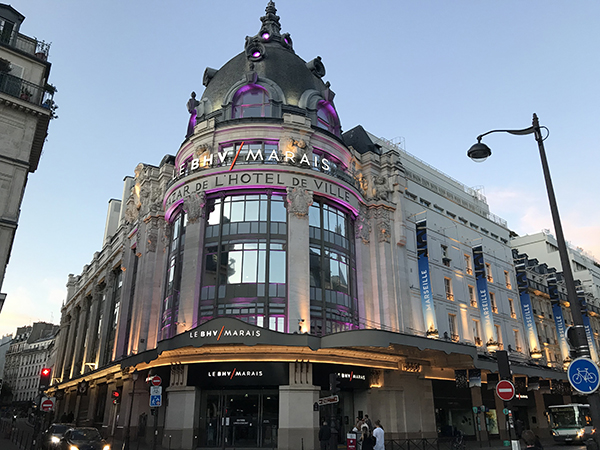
(531, 440)
(324, 436)
(366, 439)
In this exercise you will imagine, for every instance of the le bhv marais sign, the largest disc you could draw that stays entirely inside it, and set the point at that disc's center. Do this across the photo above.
(259, 177)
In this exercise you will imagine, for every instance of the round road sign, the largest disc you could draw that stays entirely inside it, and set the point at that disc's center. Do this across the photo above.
(156, 380)
(584, 375)
(47, 405)
(505, 390)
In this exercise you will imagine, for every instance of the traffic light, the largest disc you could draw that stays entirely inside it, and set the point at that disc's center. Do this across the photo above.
(116, 397)
(334, 383)
(45, 378)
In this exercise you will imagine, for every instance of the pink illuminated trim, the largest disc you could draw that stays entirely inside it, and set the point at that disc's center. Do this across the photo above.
(266, 36)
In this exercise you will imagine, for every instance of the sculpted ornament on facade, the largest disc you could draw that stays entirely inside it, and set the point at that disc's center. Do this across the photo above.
(194, 206)
(362, 225)
(298, 201)
(151, 235)
(384, 226)
(202, 150)
(131, 211)
(380, 189)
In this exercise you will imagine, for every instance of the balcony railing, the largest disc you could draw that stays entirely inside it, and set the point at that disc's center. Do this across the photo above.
(26, 44)
(19, 88)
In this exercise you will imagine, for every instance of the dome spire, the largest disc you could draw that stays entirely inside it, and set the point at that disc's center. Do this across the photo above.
(270, 33)
(270, 21)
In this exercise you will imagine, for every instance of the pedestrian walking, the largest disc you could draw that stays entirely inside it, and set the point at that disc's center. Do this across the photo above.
(379, 436)
(324, 436)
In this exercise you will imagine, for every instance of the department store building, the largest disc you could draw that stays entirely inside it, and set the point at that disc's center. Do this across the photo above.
(274, 251)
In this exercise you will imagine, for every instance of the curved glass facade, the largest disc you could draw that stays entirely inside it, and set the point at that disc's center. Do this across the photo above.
(333, 299)
(244, 271)
(173, 282)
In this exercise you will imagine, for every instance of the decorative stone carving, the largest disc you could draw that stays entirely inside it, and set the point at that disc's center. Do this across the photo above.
(202, 150)
(151, 235)
(384, 226)
(131, 212)
(362, 225)
(194, 206)
(298, 200)
(166, 235)
(380, 189)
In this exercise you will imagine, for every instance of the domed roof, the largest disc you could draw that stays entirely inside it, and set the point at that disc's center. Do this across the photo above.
(268, 60)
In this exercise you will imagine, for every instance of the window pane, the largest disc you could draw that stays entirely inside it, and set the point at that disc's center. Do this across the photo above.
(262, 265)
(234, 273)
(278, 212)
(252, 210)
(237, 211)
(250, 260)
(277, 267)
(314, 216)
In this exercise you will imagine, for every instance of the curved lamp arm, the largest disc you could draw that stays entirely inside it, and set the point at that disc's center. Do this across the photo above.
(517, 132)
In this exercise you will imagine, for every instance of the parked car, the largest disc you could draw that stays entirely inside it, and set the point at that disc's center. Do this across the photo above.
(83, 438)
(52, 436)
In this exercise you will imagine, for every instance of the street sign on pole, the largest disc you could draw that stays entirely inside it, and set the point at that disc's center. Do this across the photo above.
(328, 400)
(155, 390)
(584, 375)
(155, 401)
(505, 390)
(156, 380)
(47, 404)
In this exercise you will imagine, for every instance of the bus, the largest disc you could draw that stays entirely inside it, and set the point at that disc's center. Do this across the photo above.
(571, 423)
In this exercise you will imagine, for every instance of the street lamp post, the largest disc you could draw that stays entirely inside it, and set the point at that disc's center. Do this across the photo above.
(134, 377)
(480, 152)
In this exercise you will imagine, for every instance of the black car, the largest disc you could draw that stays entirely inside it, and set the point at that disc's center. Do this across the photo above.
(83, 439)
(52, 436)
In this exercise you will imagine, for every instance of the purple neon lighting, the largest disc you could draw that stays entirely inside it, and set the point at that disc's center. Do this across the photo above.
(266, 36)
(169, 212)
(286, 41)
(256, 54)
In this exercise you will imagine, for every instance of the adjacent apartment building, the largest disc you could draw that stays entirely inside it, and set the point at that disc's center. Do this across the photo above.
(26, 107)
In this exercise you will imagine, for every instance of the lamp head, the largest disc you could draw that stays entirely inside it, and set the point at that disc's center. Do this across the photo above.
(135, 375)
(479, 152)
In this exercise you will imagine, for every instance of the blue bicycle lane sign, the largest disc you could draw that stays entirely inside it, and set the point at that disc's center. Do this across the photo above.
(584, 375)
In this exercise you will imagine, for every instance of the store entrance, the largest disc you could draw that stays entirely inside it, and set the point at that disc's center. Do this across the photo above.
(247, 419)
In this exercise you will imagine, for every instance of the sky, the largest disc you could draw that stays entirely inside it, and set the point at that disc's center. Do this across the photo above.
(435, 74)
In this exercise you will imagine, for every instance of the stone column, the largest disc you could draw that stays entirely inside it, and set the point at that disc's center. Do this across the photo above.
(129, 262)
(69, 352)
(80, 342)
(92, 331)
(477, 400)
(61, 344)
(362, 234)
(298, 423)
(195, 208)
(502, 423)
(181, 414)
(107, 310)
(297, 203)
(541, 427)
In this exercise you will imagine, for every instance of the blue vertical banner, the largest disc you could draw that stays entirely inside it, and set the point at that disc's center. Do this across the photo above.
(425, 281)
(527, 309)
(559, 320)
(586, 323)
(485, 307)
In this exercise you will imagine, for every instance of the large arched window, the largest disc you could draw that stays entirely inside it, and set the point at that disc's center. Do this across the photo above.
(327, 117)
(251, 101)
(244, 273)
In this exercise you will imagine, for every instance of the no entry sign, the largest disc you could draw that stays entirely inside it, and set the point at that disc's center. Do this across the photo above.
(47, 405)
(505, 390)
(156, 380)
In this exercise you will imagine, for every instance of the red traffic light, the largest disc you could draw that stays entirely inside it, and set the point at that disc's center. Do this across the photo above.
(45, 372)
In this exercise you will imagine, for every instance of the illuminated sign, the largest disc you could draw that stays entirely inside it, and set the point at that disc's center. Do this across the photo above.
(223, 332)
(273, 157)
